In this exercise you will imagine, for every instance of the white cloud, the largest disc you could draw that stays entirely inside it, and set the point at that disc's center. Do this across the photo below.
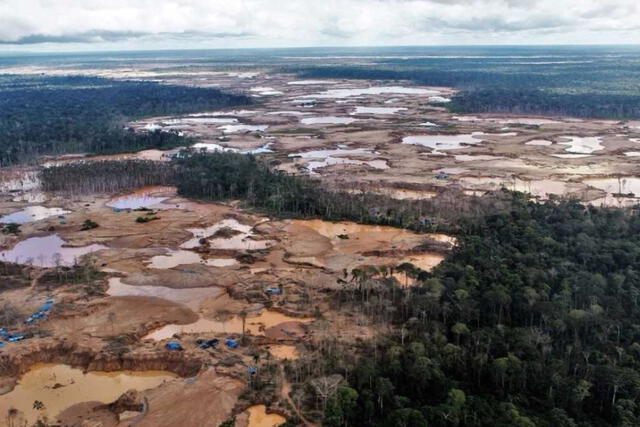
(263, 23)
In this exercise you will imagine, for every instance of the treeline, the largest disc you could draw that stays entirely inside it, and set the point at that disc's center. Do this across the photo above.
(428, 76)
(504, 87)
(52, 115)
(223, 176)
(540, 102)
(533, 320)
(108, 176)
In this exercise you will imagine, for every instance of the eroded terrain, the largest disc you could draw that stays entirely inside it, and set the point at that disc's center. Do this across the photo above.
(392, 136)
(199, 271)
(118, 293)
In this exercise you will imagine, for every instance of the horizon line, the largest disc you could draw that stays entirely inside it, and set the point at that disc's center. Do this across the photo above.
(228, 49)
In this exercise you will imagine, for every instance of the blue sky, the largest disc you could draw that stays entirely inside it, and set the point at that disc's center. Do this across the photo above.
(77, 25)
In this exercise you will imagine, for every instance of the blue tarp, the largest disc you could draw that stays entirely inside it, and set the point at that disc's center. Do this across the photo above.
(14, 338)
(38, 315)
(252, 370)
(274, 291)
(173, 345)
(231, 343)
(42, 312)
(11, 337)
(205, 344)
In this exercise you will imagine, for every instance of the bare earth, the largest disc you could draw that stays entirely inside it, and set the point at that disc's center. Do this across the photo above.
(156, 279)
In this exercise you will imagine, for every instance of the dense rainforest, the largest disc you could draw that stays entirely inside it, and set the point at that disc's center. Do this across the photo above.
(53, 115)
(540, 102)
(231, 176)
(532, 320)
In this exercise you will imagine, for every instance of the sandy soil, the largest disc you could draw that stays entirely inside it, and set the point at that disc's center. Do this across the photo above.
(143, 305)
(503, 156)
(587, 159)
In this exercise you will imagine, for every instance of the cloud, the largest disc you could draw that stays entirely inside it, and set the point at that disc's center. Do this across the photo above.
(263, 23)
(87, 37)
(97, 36)
(496, 24)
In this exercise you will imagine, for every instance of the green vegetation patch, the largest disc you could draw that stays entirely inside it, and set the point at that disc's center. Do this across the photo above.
(533, 320)
(53, 115)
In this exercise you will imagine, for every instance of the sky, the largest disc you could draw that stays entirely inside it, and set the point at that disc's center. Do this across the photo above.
(90, 25)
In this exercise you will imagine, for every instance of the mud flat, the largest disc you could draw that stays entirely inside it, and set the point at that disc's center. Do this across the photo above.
(178, 257)
(345, 245)
(212, 147)
(542, 188)
(571, 156)
(330, 120)
(531, 148)
(375, 90)
(205, 233)
(58, 387)
(406, 194)
(188, 272)
(239, 242)
(174, 259)
(342, 155)
(377, 110)
(439, 143)
(258, 417)
(539, 142)
(180, 403)
(243, 128)
(367, 233)
(287, 113)
(47, 251)
(623, 191)
(266, 91)
(254, 324)
(31, 214)
(311, 82)
(140, 199)
(191, 297)
(283, 351)
(240, 238)
(339, 151)
(582, 145)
